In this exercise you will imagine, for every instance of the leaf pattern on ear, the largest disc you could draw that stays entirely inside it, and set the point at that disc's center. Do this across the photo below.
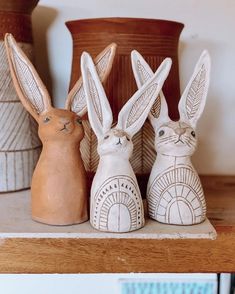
(141, 69)
(94, 97)
(102, 62)
(99, 111)
(194, 97)
(156, 108)
(31, 90)
(76, 100)
(140, 105)
(144, 75)
(29, 87)
(134, 113)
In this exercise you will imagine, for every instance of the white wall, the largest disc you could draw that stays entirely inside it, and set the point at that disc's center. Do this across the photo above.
(208, 24)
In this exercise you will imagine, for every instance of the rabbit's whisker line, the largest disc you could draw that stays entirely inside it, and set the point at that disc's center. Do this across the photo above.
(167, 139)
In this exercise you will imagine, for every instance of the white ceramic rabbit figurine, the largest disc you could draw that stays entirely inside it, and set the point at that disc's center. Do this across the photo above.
(174, 193)
(116, 203)
(59, 192)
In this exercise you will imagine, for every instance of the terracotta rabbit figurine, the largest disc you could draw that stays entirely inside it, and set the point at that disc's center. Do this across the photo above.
(175, 194)
(116, 203)
(59, 194)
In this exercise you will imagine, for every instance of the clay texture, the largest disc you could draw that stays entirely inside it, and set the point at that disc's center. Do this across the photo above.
(175, 194)
(59, 191)
(116, 203)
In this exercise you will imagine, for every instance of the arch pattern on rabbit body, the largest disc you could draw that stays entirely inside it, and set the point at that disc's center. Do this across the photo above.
(176, 197)
(117, 206)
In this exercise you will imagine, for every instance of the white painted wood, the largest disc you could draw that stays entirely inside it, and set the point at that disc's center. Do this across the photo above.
(16, 222)
(174, 193)
(225, 283)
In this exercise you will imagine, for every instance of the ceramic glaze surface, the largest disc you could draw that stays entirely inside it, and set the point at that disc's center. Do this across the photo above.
(59, 188)
(116, 203)
(175, 194)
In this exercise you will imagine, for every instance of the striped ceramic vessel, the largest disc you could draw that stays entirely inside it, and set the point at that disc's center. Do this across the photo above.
(19, 144)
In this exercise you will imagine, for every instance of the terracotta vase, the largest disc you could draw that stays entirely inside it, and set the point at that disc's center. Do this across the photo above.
(155, 40)
(19, 143)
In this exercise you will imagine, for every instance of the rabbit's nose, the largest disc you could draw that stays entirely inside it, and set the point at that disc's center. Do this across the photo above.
(180, 131)
(65, 121)
(119, 133)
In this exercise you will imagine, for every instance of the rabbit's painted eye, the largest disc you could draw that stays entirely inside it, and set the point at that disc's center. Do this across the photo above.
(161, 133)
(193, 134)
(78, 121)
(46, 119)
(128, 139)
(106, 137)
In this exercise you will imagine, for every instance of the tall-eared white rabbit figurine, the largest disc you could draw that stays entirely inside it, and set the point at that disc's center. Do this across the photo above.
(116, 203)
(174, 193)
(59, 192)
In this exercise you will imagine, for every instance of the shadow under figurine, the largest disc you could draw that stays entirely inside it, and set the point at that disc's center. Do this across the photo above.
(116, 202)
(174, 193)
(59, 190)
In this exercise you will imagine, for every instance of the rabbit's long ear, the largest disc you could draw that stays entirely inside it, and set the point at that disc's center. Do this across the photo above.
(29, 87)
(193, 100)
(134, 113)
(99, 111)
(76, 100)
(142, 73)
(141, 69)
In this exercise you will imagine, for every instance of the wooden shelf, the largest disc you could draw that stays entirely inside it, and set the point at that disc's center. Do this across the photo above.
(25, 247)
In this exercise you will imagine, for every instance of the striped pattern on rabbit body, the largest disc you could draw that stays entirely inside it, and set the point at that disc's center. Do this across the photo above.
(117, 205)
(176, 196)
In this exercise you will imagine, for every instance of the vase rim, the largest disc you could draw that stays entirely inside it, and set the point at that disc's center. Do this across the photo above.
(120, 19)
(119, 24)
(22, 7)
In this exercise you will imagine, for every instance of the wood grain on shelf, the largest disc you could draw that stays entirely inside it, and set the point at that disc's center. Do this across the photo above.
(42, 255)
